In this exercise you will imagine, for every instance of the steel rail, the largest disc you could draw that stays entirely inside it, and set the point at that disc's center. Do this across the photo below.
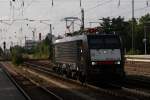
(16, 84)
(125, 89)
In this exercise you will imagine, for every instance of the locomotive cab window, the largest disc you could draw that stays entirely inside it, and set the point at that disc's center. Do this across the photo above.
(112, 42)
(104, 42)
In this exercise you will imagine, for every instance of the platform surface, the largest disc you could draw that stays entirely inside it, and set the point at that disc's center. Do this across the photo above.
(8, 91)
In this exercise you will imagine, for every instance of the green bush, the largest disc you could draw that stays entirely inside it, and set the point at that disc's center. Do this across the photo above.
(16, 55)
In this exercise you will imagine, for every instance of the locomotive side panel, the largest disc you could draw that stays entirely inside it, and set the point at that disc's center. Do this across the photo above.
(68, 52)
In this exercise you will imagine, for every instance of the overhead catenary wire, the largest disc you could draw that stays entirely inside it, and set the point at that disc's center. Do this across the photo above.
(89, 9)
(86, 10)
(98, 5)
(102, 3)
(125, 12)
(137, 9)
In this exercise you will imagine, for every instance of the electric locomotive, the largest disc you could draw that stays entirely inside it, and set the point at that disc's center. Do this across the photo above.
(90, 57)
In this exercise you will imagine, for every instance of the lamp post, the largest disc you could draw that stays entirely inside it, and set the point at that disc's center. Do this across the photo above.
(145, 41)
(146, 27)
(132, 26)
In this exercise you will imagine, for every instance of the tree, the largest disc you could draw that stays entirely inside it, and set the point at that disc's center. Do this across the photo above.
(48, 41)
(143, 26)
(139, 34)
(106, 25)
(122, 28)
(17, 55)
(118, 26)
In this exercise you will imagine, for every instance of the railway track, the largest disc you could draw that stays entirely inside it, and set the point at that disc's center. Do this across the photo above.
(129, 91)
(17, 85)
(30, 88)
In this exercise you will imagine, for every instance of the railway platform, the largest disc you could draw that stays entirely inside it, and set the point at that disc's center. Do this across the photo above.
(8, 90)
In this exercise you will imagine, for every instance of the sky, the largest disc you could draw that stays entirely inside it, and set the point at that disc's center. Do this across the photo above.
(14, 26)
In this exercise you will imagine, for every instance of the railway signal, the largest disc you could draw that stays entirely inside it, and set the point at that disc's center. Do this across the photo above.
(4, 45)
(40, 36)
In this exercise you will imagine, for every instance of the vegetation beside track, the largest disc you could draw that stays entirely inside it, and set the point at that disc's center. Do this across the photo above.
(17, 55)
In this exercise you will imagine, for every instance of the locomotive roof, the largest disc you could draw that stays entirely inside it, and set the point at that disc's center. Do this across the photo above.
(67, 39)
(78, 37)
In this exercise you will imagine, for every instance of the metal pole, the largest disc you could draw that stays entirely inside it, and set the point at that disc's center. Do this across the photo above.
(50, 31)
(82, 18)
(145, 40)
(72, 26)
(25, 38)
(52, 2)
(132, 26)
(80, 3)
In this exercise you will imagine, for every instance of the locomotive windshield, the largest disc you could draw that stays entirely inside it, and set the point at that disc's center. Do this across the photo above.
(104, 48)
(104, 42)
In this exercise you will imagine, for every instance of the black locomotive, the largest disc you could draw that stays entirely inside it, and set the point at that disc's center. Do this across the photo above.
(90, 57)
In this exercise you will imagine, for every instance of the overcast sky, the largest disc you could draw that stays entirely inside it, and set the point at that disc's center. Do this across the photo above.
(13, 32)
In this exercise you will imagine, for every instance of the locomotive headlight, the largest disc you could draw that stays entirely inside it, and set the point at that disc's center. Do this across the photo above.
(118, 62)
(105, 52)
(93, 63)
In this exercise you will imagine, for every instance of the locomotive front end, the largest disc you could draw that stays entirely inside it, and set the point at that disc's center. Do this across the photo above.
(106, 57)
